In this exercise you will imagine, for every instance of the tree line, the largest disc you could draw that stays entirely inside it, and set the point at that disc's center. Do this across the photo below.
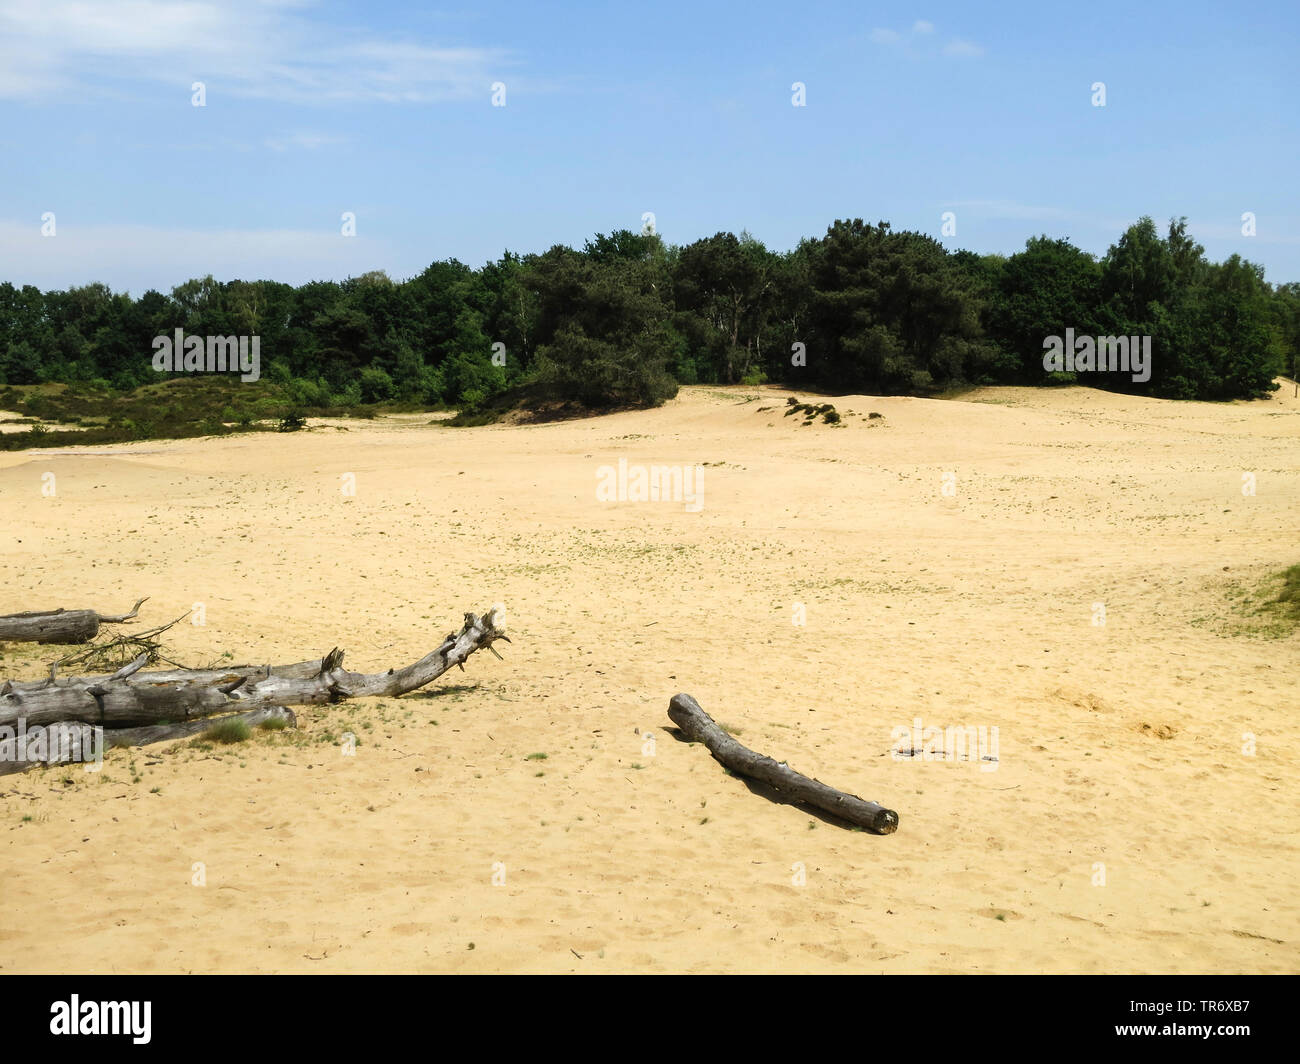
(627, 318)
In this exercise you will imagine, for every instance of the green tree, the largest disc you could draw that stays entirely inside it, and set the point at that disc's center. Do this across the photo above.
(723, 288)
(469, 375)
(1039, 292)
(890, 312)
(1285, 315)
(604, 325)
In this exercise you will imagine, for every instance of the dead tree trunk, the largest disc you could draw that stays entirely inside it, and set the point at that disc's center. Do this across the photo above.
(129, 698)
(67, 741)
(699, 727)
(300, 670)
(58, 626)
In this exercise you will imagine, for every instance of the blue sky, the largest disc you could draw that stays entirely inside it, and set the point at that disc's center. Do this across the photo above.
(384, 109)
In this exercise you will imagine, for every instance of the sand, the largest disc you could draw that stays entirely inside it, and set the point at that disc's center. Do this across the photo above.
(1121, 829)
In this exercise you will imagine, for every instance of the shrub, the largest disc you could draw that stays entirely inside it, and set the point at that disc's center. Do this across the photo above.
(376, 385)
(603, 374)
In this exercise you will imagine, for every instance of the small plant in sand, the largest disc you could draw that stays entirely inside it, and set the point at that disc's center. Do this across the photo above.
(228, 732)
(274, 724)
(1270, 608)
(1289, 597)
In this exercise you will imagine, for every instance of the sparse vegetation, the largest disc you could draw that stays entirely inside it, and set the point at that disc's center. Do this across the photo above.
(1279, 606)
(812, 411)
(1289, 597)
(228, 732)
(1268, 608)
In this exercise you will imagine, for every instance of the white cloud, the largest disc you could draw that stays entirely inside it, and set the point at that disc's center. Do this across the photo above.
(261, 49)
(138, 257)
(955, 47)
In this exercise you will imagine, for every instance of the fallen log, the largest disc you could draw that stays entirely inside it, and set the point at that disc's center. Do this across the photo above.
(699, 727)
(129, 698)
(300, 670)
(67, 741)
(59, 626)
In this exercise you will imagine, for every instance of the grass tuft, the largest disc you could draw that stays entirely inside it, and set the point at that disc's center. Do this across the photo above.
(1289, 597)
(228, 732)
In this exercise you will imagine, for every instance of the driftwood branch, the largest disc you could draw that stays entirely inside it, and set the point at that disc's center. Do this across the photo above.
(133, 699)
(59, 626)
(121, 651)
(299, 670)
(699, 727)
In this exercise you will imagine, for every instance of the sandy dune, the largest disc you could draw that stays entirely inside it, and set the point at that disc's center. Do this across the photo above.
(1118, 745)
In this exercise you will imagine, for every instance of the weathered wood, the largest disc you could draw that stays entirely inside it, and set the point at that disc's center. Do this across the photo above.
(25, 752)
(699, 727)
(125, 700)
(159, 733)
(300, 670)
(59, 626)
